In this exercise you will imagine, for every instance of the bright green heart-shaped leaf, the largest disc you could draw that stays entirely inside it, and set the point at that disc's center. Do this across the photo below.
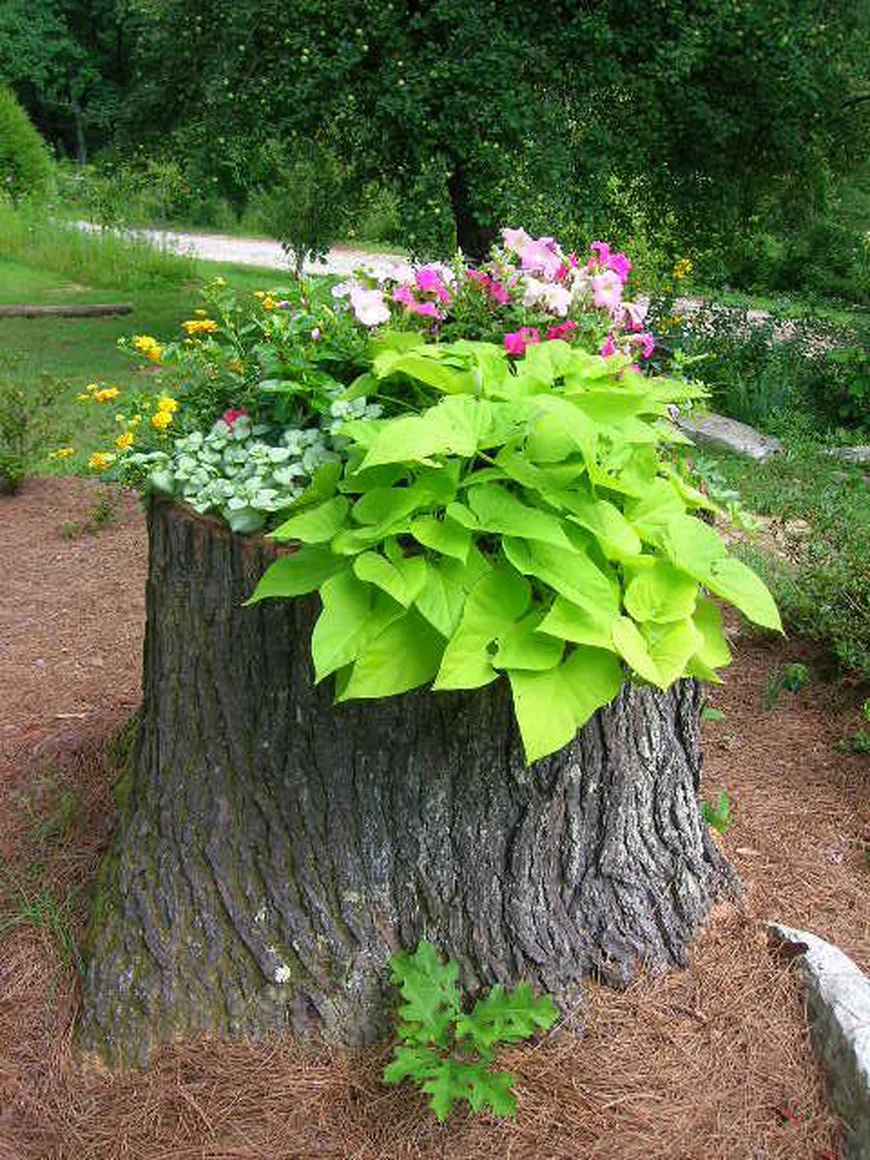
(569, 621)
(617, 537)
(315, 525)
(493, 604)
(671, 646)
(739, 585)
(633, 649)
(354, 613)
(402, 584)
(661, 593)
(406, 654)
(498, 510)
(520, 646)
(570, 573)
(297, 573)
(551, 706)
(445, 536)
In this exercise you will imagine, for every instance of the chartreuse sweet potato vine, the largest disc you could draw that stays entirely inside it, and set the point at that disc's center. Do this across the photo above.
(526, 523)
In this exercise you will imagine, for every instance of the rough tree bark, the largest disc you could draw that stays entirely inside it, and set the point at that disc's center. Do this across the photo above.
(274, 850)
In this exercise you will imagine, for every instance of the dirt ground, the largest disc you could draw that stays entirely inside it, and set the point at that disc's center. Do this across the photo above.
(712, 1063)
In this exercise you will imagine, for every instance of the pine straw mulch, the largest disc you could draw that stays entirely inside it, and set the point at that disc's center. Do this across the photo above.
(711, 1063)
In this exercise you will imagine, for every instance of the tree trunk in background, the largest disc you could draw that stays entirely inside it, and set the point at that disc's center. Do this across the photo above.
(474, 240)
(274, 849)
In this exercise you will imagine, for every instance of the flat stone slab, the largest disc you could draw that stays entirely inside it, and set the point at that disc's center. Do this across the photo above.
(838, 998)
(850, 454)
(729, 434)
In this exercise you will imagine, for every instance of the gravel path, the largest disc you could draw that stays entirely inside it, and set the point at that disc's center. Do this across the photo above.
(262, 252)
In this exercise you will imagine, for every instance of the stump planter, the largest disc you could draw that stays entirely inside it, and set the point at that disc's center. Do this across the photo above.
(274, 849)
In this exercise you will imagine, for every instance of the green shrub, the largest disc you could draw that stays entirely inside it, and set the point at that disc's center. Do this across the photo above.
(822, 580)
(305, 209)
(26, 167)
(13, 438)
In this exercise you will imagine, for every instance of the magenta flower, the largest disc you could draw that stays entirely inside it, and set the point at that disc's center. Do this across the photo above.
(516, 342)
(600, 252)
(561, 331)
(229, 417)
(607, 289)
(496, 290)
(646, 342)
(620, 265)
(426, 309)
(404, 296)
(428, 280)
(608, 347)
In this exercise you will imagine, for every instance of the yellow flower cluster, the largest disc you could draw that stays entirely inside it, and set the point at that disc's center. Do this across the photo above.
(101, 460)
(268, 302)
(166, 408)
(682, 268)
(62, 453)
(148, 346)
(236, 366)
(125, 441)
(106, 395)
(195, 326)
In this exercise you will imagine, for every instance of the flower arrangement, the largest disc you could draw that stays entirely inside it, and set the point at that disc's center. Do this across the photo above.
(473, 464)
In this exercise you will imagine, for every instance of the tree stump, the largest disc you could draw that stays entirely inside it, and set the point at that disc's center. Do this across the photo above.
(275, 849)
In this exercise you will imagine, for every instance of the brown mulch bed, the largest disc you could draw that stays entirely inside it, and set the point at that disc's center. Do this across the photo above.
(711, 1063)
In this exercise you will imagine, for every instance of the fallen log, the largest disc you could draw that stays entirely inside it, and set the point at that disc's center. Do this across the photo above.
(92, 311)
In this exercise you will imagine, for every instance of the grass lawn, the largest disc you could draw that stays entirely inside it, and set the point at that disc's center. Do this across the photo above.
(53, 359)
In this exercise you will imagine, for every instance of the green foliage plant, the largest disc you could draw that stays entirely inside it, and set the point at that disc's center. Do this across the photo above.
(26, 166)
(14, 432)
(448, 1050)
(523, 523)
(791, 678)
(304, 207)
(503, 498)
(718, 814)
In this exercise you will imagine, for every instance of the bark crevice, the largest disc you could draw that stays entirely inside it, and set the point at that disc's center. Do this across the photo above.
(274, 849)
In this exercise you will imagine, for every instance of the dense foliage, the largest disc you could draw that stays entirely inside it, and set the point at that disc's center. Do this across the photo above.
(477, 112)
(475, 469)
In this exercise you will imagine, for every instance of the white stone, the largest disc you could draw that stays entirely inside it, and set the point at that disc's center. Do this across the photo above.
(729, 434)
(838, 998)
(851, 454)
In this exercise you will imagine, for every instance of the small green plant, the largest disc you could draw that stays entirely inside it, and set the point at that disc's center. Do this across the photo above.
(709, 713)
(448, 1052)
(792, 678)
(104, 510)
(69, 529)
(14, 431)
(718, 814)
(39, 909)
(861, 740)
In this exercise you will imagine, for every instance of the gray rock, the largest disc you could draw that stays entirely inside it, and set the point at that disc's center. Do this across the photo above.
(850, 454)
(719, 431)
(838, 998)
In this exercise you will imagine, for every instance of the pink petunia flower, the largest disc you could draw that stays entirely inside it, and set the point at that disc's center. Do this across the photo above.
(369, 306)
(404, 295)
(607, 289)
(608, 347)
(562, 330)
(647, 344)
(229, 417)
(428, 280)
(601, 254)
(516, 342)
(620, 265)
